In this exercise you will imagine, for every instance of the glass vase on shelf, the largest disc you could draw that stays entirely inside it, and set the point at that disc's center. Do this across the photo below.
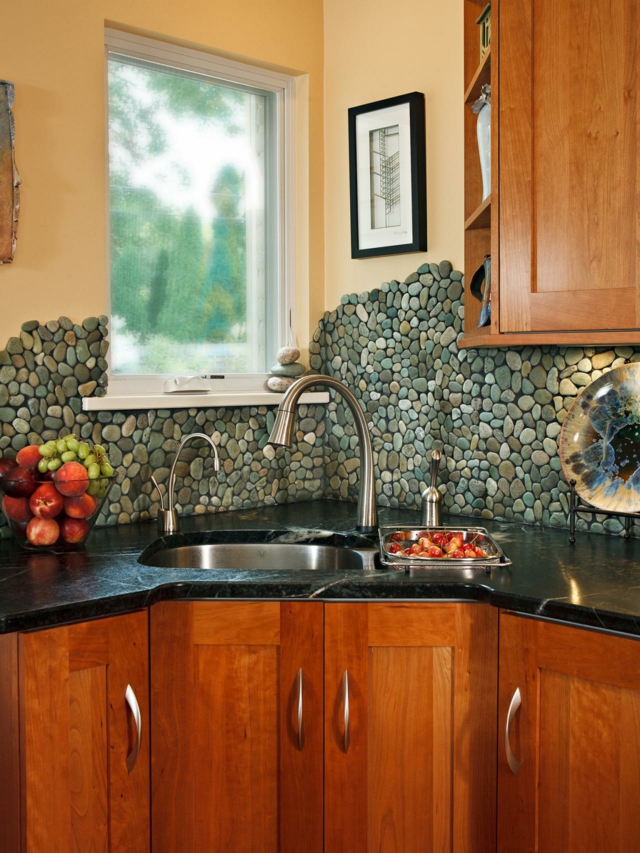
(482, 108)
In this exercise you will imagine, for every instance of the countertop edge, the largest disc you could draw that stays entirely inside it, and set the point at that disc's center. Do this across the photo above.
(342, 589)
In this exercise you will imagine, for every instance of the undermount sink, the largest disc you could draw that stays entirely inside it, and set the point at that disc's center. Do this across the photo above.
(258, 550)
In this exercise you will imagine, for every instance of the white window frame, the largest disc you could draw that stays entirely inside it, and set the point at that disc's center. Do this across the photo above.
(249, 387)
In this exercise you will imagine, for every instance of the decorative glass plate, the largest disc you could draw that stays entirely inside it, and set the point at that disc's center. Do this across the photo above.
(600, 441)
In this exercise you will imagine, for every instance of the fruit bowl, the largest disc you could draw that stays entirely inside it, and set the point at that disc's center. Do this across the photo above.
(50, 520)
(51, 496)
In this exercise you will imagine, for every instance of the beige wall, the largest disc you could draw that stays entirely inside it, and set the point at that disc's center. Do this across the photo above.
(377, 49)
(53, 51)
(372, 50)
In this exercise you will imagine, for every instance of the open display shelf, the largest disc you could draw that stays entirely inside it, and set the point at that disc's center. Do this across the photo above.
(479, 214)
(480, 78)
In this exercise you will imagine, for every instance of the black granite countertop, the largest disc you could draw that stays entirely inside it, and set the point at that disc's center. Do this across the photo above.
(595, 583)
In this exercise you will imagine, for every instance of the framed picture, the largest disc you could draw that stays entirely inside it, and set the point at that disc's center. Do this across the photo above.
(387, 168)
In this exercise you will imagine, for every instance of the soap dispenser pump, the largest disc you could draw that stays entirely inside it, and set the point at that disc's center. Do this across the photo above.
(431, 497)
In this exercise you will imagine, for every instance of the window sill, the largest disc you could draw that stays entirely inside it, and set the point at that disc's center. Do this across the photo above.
(215, 400)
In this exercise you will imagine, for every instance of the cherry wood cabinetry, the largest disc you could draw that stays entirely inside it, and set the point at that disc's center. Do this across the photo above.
(237, 698)
(564, 228)
(300, 726)
(575, 736)
(75, 776)
(410, 734)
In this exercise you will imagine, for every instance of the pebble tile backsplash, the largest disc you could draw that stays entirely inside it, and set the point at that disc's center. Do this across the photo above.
(496, 414)
(45, 372)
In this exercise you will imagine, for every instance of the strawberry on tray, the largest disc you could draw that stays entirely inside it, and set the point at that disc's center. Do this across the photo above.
(438, 545)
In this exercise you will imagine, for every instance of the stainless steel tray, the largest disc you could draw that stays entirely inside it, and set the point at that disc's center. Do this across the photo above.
(496, 558)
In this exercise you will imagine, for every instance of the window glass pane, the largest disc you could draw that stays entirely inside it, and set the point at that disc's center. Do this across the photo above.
(188, 171)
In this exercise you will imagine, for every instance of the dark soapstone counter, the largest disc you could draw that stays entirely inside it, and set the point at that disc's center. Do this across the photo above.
(595, 583)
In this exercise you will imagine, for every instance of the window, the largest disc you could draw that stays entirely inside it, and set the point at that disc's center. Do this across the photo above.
(199, 173)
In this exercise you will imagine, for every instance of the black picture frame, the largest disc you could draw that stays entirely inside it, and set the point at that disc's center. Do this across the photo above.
(418, 161)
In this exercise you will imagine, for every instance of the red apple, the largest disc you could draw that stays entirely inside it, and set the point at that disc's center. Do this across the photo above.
(6, 464)
(46, 501)
(19, 483)
(74, 530)
(71, 479)
(82, 506)
(43, 531)
(29, 457)
(17, 509)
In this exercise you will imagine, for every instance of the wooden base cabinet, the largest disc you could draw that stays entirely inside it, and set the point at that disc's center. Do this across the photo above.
(74, 738)
(569, 767)
(410, 734)
(237, 696)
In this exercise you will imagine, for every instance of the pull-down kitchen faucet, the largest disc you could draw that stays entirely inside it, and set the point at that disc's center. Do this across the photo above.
(281, 434)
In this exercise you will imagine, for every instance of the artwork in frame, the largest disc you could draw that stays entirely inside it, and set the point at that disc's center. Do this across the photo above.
(387, 166)
(9, 178)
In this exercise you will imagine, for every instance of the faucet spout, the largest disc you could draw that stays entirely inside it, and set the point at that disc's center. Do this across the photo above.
(168, 521)
(282, 435)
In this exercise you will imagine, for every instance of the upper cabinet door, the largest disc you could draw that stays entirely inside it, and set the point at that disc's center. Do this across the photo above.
(237, 697)
(84, 730)
(410, 737)
(569, 165)
(569, 767)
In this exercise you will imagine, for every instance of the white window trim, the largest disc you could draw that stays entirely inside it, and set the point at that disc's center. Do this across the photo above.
(213, 400)
(135, 392)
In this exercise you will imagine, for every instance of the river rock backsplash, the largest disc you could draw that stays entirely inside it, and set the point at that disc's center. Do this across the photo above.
(48, 369)
(496, 414)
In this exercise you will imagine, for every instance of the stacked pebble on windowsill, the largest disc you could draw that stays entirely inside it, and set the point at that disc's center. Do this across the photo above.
(287, 369)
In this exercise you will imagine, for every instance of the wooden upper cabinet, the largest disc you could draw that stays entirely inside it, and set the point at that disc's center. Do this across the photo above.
(72, 777)
(410, 733)
(576, 737)
(569, 164)
(237, 697)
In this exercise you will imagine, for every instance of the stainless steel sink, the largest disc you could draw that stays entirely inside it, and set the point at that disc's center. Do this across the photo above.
(321, 552)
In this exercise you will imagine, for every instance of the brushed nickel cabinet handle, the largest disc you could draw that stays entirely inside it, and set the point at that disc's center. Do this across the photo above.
(300, 681)
(512, 761)
(132, 702)
(346, 739)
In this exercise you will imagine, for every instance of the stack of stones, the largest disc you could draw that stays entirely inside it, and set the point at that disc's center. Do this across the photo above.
(286, 370)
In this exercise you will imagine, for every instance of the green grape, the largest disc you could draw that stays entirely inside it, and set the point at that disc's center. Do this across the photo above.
(61, 445)
(107, 469)
(93, 471)
(45, 451)
(83, 450)
(72, 444)
(43, 465)
(93, 488)
(68, 456)
(54, 464)
(89, 460)
(98, 449)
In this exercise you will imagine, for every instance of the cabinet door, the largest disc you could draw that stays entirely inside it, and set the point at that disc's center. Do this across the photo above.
(410, 731)
(569, 161)
(576, 736)
(237, 699)
(79, 738)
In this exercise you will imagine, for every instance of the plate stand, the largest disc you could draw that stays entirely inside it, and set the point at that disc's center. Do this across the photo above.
(576, 505)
